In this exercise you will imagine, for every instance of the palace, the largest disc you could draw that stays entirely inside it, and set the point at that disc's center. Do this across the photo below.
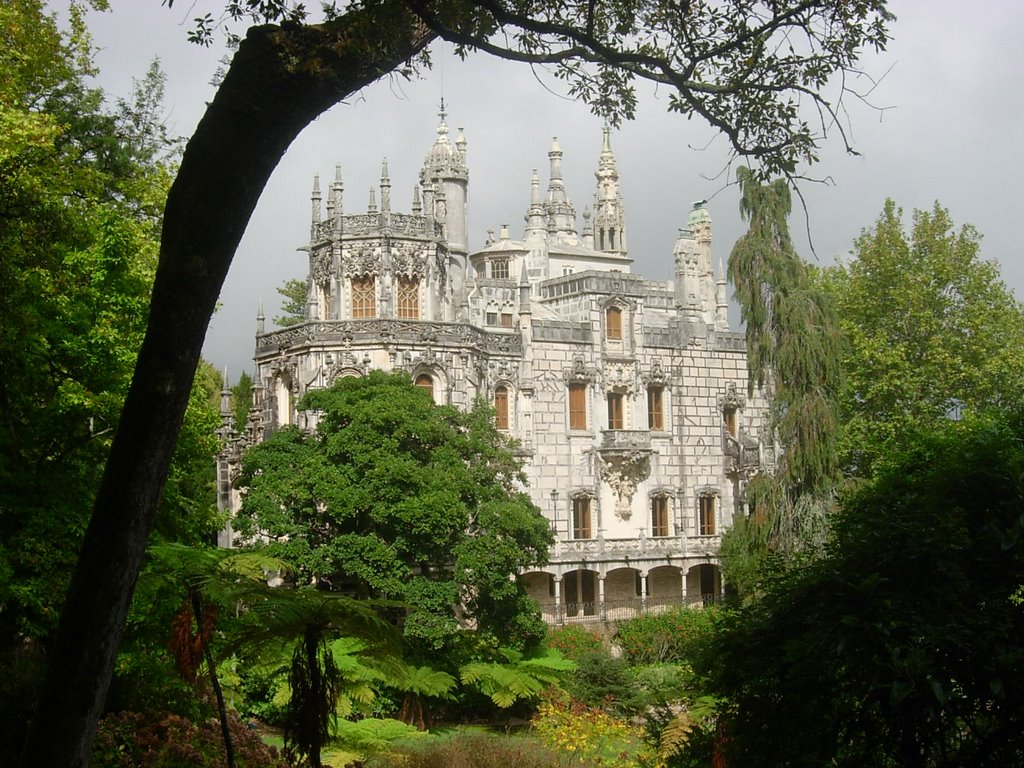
(626, 395)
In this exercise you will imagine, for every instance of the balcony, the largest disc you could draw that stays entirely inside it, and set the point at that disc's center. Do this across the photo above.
(625, 463)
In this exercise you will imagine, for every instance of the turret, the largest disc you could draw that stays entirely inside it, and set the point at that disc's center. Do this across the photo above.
(385, 189)
(536, 223)
(561, 216)
(446, 173)
(609, 212)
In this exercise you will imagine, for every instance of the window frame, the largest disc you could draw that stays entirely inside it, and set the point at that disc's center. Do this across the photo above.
(582, 517)
(408, 298)
(656, 408)
(364, 297)
(707, 513)
(500, 269)
(613, 323)
(661, 526)
(501, 409)
(577, 406)
(616, 410)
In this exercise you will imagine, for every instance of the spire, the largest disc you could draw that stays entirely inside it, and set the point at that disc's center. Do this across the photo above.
(315, 199)
(588, 230)
(721, 300)
(609, 211)
(372, 206)
(536, 224)
(561, 216)
(225, 396)
(385, 188)
(337, 190)
(260, 319)
(417, 206)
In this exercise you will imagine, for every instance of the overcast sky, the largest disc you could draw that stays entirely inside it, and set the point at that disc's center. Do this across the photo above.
(950, 131)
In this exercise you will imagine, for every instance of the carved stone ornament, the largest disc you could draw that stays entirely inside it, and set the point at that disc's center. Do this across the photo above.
(361, 261)
(620, 376)
(579, 373)
(320, 269)
(405, 261)
(730, 400)
(657, 376)
(623, 472)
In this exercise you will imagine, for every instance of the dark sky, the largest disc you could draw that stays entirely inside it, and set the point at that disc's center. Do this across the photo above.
(949, 132)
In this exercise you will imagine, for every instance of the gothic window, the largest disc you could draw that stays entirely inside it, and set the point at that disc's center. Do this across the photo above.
(426, 381)
(577, 406)
(659, 516)
(656, 408)
(364, 298)
(499, 269)
(613, 323)
(501, 407)
(492, 318)
(616, 419)
(408, 298)
(611, 238)
(581, 527)
(706, 515)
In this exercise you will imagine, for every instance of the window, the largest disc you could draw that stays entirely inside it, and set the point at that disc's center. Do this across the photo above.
(506, 319)
(730, 421)
(659, 516)
(566, 271)
(577, 406)
(656, 408)
(581, 518)
(427, 382)
(408, 299)
(492, 318)
(613, 323)
(499, 269)
(501, 407)
(615, 411)
(706, 516)
(364, 298)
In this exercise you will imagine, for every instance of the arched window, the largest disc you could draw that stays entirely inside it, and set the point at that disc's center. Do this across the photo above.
(613, 323)
(408, 298)
(364, 298)
(501, 407)
(427, 382)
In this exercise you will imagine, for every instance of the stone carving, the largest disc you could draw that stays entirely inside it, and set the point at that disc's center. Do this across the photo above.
(657, 376)
(361, 261)
(621, 376)
(407, 261)
(579, 373)
(320, 268)
(730, 400)
(624, 471)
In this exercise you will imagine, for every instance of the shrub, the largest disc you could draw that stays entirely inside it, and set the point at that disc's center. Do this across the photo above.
(591, 736)
(573, 641)
(166, 740)
(476, 750)
(673, 636)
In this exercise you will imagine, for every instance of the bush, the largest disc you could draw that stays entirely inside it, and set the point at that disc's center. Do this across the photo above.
(477, 750)
(573, 641)
(591, 736)
(166, 740)
(674, 636)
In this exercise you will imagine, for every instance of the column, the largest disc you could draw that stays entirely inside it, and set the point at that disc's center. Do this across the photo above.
(682, 573)
(600, 596)
(643, 591)
(558, 599)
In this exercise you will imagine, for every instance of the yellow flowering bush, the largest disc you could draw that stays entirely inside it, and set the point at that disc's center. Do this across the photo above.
(591, 736)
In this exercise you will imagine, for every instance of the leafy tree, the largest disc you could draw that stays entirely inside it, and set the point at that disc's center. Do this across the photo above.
(241, 401)
(394, 497)
(293, 310)
(901, 647)
(729, 64)
(931, 331)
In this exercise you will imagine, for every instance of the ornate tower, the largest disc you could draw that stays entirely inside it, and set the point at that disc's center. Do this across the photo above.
(561, 216)
(609, 213)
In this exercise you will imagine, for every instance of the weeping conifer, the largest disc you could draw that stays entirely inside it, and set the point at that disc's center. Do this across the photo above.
(793, 349)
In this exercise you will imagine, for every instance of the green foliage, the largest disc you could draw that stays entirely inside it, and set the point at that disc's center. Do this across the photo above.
(591, 736)
(80, 195)
(293, 310)
(517, 678)
(241, 401)
(470, 750)
(573, 641)
(166, 740)
(394, 497)
(676, 635)
(902, 646)
(930, 331)
(792, 338)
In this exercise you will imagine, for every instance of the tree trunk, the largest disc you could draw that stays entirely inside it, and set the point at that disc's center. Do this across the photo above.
(280, 79)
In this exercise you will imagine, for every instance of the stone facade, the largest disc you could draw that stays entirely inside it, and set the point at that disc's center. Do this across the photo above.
(626, 395)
